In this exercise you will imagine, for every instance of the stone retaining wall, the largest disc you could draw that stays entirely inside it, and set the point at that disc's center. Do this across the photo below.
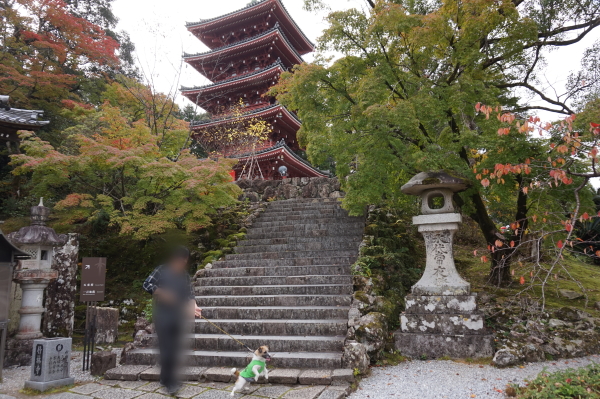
(296, 187)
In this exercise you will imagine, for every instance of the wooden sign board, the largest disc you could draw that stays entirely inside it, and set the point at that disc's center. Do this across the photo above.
(93, 279)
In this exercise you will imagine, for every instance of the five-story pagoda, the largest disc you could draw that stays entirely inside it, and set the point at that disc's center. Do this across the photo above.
(249, 48)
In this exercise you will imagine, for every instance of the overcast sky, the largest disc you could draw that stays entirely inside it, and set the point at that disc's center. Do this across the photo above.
(157, 27)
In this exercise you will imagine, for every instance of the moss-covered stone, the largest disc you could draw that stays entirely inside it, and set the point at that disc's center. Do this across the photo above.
(361, 296)
(389, 263)
(372, 332)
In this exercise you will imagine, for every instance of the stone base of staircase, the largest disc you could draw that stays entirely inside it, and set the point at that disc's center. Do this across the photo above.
(332, 384)
(223, 374)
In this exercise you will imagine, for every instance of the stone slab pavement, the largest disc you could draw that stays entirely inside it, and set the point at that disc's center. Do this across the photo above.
(209, 390)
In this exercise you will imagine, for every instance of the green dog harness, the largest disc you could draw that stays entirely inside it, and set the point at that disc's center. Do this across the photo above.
(248, 373)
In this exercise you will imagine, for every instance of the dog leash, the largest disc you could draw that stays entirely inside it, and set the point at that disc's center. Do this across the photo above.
(226, 333)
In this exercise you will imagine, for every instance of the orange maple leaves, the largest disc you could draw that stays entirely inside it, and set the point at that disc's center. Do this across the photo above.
(48, 51)
(555, 164)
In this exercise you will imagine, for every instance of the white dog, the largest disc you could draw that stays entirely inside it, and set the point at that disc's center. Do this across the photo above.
(256, 368)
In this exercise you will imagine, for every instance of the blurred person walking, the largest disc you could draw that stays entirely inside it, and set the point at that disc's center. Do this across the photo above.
(174, 303)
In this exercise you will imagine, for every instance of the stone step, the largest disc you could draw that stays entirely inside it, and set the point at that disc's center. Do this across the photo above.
(311, 213)
(275, 312)
(274, 300)
(277, 343)
(281, 271)
(335, 260)
(291, 219)
(303, 217)
(316, 210)
(309, 223)
(296, 204)
(331, 327)
(338, 379)
(321, 245)
(322, 253)
(305, 208)
(306, 225)
(311, 201)
(322, 233)
(314, 360)
(303, 200)
(300, 240)
(325, 289)
(273, 280)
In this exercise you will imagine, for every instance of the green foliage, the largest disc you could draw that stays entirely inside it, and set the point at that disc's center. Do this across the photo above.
(392, 358)
(583, 383)
(385, 110)
(212, 256)
(392, 259)
(125, 164)
(149, 310)
(402, 99)
(588, 238)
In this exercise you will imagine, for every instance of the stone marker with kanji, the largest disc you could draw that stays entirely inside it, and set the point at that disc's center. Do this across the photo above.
(50, 364)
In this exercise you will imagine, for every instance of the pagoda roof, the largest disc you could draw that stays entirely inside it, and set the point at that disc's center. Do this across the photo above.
(248, 44)
(262, 112)
(15, 119)
(236, 82)
(255, 8)
(291, 159)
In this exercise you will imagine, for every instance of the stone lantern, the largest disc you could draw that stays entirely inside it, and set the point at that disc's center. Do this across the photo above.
(441, 317)
(9, 255)
(35, 274)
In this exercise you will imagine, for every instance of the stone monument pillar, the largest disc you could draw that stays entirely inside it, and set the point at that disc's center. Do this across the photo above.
(441, 317)
(35, 274)
(61, 293)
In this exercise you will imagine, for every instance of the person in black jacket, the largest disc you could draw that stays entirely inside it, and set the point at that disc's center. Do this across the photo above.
(174, 301)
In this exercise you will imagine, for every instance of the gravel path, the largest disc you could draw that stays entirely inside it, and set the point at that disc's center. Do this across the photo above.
(417, 379)
(447, 379)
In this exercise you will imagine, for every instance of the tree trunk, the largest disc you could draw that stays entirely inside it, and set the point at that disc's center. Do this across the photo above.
(501, 256)
(500, 269)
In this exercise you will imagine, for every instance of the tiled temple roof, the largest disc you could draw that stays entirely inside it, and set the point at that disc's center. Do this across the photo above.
(247, 7)
(276, 64)
(282, 144)
(248, 114)
(246, 40)
(22, 117)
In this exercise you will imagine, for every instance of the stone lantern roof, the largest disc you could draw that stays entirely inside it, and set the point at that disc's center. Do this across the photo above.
(38, 233)
(435, 180)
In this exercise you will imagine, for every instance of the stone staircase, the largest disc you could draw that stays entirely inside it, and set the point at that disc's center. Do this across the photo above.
(288, 286)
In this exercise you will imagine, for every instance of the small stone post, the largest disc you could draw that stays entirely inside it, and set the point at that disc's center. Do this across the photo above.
(441, 317)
